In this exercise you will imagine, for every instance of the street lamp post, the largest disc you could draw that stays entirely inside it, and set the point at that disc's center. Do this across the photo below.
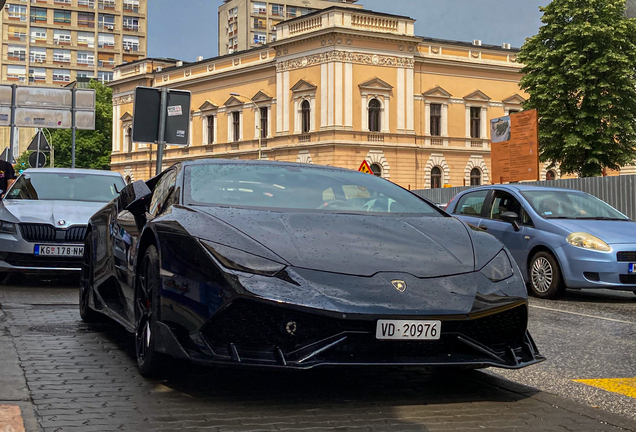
(258, 126)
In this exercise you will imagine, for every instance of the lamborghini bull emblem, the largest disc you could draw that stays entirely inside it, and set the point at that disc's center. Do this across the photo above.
(399, 285)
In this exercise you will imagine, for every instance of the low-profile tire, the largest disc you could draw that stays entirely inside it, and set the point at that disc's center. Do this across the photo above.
(87, 314)
(545, 276)
(147, 310)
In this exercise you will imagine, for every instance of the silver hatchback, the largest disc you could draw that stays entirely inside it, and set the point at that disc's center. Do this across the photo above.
(44, 214)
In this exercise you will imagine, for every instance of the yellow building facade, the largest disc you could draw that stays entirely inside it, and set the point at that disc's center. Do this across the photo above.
(338, 87)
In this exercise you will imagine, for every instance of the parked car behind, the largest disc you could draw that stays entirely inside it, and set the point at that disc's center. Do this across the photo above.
(560, 238)
(43, 217)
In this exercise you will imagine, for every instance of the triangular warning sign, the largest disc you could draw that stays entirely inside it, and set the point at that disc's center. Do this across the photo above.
(365, 168)
(44, 144)
(5, 156)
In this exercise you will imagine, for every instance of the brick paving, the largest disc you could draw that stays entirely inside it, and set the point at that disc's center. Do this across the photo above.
(84, 378)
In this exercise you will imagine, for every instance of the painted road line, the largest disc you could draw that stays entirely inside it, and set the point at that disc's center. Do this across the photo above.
(583, 315)
(624, 386)
(11, 419)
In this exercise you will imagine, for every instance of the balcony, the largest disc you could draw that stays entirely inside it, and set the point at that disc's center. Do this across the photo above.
(16, 56)
(19, 78)
(63, 2)
(90, 4)
(105, 63)
(375, 137)
(106, 45)
(87, 62)
(38, 19)
(131, 27)
(61, 42)
(17, 37)
(85, 23)
(131, 47)
(15, 16)
(37, 59)
(106, 5)
(106, 26)
(38, 40)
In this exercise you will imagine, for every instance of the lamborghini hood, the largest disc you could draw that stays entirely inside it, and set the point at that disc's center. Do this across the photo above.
(352, 244)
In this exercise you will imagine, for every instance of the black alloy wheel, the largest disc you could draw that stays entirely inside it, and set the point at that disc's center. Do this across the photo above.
(545, 276)
(87, 314)
(3, 277)
(147, 301)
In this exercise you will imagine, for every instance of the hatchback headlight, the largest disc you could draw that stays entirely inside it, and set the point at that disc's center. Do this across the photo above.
(499, 268)
(588, 241)
(7, 228)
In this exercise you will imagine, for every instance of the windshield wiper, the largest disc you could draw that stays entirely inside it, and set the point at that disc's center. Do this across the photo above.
(603, 218)
(557, 217)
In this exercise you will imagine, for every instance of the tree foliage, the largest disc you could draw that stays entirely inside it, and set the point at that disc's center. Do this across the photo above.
(580, 73)
(92, 148)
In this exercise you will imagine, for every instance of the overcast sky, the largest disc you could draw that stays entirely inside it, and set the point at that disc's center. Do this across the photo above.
(185, 29)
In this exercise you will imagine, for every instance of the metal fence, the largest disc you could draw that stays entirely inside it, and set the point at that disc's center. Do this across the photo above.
(618, 191)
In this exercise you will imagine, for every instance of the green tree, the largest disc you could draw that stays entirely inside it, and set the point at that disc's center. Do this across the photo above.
(92, 148)
(580, 73)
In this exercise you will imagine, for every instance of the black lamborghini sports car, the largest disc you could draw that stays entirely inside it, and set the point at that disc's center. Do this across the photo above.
(295, 266)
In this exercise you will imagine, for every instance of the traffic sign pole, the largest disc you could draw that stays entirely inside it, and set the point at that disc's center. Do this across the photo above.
(12, 133)
(161, 142)
(73, 127)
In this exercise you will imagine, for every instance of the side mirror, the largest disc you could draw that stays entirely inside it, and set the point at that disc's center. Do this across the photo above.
(127, 221)
(511, 218)
(135, 197)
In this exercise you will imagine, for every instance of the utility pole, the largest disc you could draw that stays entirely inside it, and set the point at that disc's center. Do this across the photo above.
(161, 142)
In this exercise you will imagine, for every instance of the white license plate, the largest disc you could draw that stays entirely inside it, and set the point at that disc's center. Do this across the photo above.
(408, 330)
(59, 250)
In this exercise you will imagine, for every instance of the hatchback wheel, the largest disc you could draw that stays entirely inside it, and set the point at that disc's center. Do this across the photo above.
(545, 276)
(147, 309)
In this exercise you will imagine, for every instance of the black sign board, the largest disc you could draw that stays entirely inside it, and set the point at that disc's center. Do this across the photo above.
(37, 160)
(44, 143)
(147, 113)
(5, 156)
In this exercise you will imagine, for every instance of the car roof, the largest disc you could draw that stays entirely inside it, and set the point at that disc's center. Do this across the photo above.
(73, 171)
(257, 162)
(520, 188)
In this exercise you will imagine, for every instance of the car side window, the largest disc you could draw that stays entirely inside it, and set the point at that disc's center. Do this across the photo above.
(162, 191)
(504, 202)
(471, 204)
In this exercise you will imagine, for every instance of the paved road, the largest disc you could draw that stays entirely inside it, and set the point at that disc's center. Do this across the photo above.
(68, 376)
(586, 335)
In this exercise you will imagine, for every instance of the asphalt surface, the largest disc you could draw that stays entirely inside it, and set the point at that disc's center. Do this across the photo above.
(587, 334)
(63, 375)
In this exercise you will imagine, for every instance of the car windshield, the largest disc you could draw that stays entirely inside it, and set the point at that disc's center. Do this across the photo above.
(66, 186)
(298, 188)
(566, 204)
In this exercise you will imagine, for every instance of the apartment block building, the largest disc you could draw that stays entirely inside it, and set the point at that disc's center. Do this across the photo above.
(53, 42)
(245, 24)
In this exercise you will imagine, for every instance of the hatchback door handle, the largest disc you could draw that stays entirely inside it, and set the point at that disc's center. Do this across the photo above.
(484, 227)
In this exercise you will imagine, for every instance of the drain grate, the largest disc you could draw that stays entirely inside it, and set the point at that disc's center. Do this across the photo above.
(69, 328)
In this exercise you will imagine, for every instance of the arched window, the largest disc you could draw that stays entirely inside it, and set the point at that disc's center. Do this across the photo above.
(306, 116)
(375, 109)
(436, 178)
(128, 144)
(376, 168)
(475, 177)
(550, 175)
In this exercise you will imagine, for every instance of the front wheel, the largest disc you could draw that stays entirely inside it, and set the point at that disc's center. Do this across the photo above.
(147, 309)
(3, 277)
(545, 276)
